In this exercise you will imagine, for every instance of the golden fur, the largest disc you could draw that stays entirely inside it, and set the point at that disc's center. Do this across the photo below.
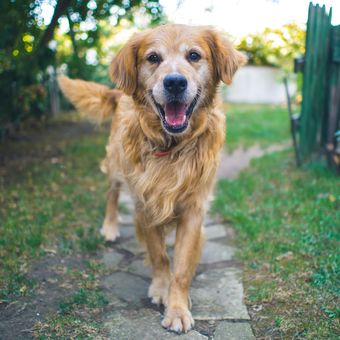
(172, 188)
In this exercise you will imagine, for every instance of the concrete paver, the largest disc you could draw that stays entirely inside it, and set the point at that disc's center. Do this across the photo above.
(227, 330)
(142, 324)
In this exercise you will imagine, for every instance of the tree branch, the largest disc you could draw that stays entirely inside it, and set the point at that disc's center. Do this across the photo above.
(60, 9)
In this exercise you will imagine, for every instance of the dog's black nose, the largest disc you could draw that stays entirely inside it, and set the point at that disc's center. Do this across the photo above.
(175, 83)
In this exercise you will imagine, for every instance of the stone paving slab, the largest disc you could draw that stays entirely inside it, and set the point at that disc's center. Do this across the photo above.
(215, 231)
(140, 268)
(132, 246)
(126, 219)
(126, 231)
(171, 238)
(212, 232)
(208, 220)
(213, 252)
(127, 287)
(142, 324)
(227, 330)
(125, 197)
(216, 252)
(111, 259)
(217, 294)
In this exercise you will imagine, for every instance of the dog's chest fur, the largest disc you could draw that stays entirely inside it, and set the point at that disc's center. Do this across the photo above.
(184, 177)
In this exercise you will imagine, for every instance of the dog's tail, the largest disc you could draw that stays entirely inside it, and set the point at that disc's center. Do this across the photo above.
(94, 101)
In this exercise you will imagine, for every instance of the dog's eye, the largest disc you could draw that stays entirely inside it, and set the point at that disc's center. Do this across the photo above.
(153, 58)
(194, 56)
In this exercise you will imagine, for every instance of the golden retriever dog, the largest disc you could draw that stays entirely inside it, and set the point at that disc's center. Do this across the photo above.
(165, 140)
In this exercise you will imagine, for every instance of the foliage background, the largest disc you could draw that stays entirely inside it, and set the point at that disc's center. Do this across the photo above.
(80, 40)
(275, 47)
(31, 50)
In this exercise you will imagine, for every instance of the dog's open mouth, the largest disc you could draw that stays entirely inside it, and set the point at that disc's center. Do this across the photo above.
(175, 115)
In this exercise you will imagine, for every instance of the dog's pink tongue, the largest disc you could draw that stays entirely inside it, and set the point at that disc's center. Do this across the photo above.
(175, 113)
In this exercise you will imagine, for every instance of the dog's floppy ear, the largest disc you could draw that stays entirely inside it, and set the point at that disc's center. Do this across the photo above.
(226, 59)
(123, 68)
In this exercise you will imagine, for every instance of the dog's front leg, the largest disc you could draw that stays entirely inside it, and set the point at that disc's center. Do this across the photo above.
(154, 239)
(189, 239)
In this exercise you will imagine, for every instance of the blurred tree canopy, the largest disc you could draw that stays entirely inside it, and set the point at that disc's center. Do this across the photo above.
(275, 47)
(31, 49)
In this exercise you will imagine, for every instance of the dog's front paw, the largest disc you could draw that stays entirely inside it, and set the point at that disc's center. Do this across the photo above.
(109, 230)
(178, 320)
(159, 291)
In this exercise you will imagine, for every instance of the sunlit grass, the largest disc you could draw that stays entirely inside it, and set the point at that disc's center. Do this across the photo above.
(288, 231)
(256, 124)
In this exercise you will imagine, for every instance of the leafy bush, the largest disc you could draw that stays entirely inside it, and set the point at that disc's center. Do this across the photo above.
(275, 47)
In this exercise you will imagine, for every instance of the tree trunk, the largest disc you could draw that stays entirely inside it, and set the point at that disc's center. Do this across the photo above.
(60, 9)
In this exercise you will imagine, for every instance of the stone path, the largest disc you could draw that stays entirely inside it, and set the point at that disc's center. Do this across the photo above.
(239, 159)
(216, 291)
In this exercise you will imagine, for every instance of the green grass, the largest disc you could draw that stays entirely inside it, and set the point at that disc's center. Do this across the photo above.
(256, 124)
(288, 231)
(83, 297)
(56, 205)
(68, 327)
(287, 222)
(78, 314)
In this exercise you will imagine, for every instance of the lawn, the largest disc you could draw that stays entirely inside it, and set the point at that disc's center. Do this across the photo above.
(47, 207)
(287, 221)
(256, 124)
(51, 208)
(52, 202)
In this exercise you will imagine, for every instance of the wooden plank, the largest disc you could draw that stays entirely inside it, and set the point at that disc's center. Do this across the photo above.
(326, 80)
(336, 44)
(333, 123)
(314, 112)
(306, 82)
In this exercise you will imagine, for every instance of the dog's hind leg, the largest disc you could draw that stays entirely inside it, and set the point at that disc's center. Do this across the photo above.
(110, 229)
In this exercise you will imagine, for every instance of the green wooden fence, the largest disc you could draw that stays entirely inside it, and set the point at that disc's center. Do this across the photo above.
(318, 127)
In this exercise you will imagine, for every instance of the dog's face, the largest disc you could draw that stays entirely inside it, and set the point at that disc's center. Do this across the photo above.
(175, 69)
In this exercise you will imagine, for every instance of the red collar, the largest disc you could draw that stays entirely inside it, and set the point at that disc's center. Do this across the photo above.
(162, 153)
(166, 152)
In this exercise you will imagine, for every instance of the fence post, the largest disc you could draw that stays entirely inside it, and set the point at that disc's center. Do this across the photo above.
(315, 103)
(53, 91)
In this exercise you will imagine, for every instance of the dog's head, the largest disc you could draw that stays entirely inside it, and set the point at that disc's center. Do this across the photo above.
(175, 69)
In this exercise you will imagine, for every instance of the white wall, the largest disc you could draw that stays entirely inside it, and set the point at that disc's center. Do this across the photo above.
(257, 84)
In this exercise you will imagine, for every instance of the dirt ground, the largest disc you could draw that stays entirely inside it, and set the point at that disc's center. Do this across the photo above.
(27, 146)
(17, 154)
